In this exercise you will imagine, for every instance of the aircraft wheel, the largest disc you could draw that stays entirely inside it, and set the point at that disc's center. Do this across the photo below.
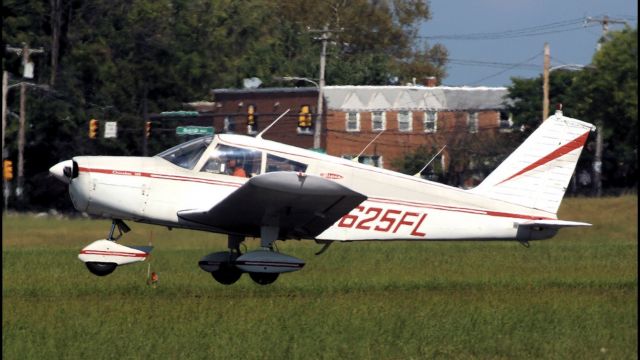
(264, 278)
(101, 269)
(227, 275)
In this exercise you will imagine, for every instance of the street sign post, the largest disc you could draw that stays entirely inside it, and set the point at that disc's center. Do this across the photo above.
(194, 130)
(111, 129)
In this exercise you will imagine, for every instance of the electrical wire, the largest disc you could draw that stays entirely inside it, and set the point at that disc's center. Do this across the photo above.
(551, 28)
(507, 69)
(492, 64)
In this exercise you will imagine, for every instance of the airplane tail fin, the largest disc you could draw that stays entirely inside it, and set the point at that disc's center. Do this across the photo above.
(537, 173)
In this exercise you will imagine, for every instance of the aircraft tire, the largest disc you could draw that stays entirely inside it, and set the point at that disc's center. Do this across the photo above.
(264, 278)
(227, 275)
(101, 269)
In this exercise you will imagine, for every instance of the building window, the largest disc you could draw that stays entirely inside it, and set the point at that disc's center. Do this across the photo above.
(304, 120)
(404, 120)
(505, 121)
(378, 120)
(430, 121)
(472, 122)
(229, 124)
(353, 121)
(252, 120)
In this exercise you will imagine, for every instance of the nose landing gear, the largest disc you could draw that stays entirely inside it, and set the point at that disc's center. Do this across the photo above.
(102, 257)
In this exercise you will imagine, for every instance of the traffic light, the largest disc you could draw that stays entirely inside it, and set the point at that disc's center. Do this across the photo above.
(93, 128)
(251, 116)
(147, 129)
(7, 170)
(304, 118)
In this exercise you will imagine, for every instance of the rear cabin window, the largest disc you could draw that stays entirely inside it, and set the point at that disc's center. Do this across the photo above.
(277, 163)
(187, 154)
(234, 161)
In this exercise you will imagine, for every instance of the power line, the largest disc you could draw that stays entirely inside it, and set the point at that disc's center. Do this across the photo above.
(492, 64)
(505, 70)
(556, 27)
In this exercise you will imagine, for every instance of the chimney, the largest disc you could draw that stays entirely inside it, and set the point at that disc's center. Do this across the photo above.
(430, 81)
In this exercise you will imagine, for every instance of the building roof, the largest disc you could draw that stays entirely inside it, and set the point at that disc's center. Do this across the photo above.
(385, 98)
(393, 98)
(273, 90)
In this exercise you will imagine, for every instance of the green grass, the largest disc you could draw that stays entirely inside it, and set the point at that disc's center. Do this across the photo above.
(572, 297)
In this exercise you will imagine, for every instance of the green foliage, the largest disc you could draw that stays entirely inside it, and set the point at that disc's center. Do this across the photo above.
(605, 94)
(576, 295)
(117, 58)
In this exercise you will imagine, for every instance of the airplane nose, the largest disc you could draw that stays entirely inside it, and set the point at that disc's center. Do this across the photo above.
(63, 171)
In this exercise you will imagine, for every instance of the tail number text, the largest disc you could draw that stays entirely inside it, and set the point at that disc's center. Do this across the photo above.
(383, 220)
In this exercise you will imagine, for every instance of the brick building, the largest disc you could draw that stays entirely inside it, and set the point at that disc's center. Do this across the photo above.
(407, 116)
(410, 116)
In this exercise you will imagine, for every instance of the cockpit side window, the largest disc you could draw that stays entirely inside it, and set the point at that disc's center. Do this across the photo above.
(234, 161)
(187, 154)
(277, 163)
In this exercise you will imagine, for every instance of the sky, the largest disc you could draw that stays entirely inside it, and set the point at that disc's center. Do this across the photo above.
(495, 40)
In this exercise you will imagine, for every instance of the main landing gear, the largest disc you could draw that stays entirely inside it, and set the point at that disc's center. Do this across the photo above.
(264, 266)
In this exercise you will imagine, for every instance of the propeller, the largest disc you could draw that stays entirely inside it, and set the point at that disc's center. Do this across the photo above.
(65, 171)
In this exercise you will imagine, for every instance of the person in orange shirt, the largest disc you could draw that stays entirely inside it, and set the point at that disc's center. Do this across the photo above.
(235, 169)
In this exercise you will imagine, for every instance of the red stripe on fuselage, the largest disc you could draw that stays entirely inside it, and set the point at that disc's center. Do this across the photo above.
(379, 200)
(562, 150)
(457, 209)
(157, 176)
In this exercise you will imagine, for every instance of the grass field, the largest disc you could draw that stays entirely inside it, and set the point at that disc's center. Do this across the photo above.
(572, 297)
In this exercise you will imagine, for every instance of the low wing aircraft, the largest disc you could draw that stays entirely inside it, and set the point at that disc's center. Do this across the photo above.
(250, 187)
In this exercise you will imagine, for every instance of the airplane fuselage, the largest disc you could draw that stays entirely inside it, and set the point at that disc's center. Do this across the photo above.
(398, 207)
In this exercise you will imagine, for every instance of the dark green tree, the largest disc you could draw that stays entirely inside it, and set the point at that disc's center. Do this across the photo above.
(604, 93)
(112, 60)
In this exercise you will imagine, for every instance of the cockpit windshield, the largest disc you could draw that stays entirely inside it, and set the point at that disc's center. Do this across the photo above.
(231, 160)
(187, 154)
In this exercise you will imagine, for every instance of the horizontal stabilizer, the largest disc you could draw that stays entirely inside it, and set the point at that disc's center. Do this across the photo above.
(543, 229)
(553, 223)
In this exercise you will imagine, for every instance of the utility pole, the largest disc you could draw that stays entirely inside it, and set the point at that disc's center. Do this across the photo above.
(604, 21)
(145, 116)
(323, 55)
(325, 35)
(597, 159)
(545, 82)
(5, 88)
(27, 73)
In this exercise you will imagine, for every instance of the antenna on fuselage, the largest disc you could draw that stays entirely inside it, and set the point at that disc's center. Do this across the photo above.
(259, 136)
(434, 156)
(365, 148)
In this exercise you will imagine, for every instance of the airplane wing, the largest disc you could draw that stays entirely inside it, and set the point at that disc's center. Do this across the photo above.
(302, 206)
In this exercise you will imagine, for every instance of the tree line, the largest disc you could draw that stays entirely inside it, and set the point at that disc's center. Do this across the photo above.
(117, 60)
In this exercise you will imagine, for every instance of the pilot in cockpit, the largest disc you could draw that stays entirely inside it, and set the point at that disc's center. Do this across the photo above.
(234, 168)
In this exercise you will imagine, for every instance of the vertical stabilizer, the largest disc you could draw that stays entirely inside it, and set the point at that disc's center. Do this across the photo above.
(537, 173)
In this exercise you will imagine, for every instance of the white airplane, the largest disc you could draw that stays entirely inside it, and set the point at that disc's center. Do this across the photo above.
(250, 187)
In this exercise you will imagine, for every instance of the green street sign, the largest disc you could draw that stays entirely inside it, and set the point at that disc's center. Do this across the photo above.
(179, 114)
(194, 130)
